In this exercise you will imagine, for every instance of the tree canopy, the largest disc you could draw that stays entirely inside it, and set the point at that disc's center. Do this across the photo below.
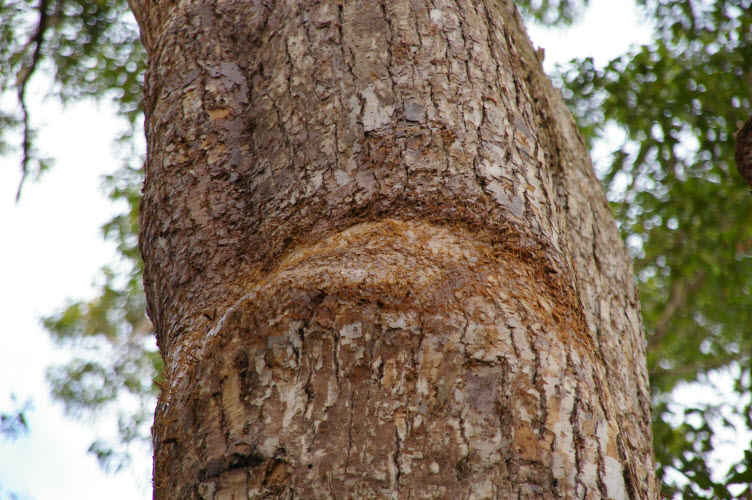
(674, 106)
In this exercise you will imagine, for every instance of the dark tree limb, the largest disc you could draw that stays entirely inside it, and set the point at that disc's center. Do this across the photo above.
(743, 151)
(22, 80)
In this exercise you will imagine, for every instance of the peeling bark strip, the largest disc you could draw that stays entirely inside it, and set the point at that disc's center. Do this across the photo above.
(378, 262)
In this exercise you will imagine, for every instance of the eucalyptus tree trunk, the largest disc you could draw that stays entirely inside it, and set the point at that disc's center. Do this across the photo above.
(378, 260)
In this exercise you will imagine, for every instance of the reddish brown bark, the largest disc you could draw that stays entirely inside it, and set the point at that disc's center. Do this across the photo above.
(378, 261)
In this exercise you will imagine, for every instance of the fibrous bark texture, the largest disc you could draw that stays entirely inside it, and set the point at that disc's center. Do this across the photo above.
(378, 261)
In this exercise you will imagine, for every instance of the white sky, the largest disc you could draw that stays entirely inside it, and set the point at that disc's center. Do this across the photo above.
(51, 249)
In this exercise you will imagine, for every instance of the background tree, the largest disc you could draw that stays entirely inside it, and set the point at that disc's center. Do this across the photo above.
(682, 208)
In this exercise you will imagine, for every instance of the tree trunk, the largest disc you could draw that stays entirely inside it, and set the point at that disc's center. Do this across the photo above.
(378, 261)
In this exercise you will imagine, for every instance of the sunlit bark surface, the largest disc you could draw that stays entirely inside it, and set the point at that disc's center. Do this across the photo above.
(378, 261)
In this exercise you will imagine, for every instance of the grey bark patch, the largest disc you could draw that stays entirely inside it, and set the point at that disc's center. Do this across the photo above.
(414, 112)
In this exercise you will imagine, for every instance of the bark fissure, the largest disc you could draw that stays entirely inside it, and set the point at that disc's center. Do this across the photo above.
(349, 430)
(538, 384)
(396, 457)
(578, 440)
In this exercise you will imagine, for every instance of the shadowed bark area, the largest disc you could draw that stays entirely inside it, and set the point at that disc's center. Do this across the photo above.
(378, 262)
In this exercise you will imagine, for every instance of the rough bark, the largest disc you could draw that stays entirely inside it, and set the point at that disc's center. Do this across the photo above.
(378, 261)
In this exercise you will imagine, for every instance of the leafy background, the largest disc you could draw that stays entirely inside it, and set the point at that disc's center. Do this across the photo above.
(665, 112)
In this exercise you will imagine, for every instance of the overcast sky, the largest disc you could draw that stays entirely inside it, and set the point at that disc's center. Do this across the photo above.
(51, 249)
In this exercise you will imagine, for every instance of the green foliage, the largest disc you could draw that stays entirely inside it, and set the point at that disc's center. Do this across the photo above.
(682, 208)
(116, 364)
(90, 47)
(552, 12)
(684, 211)
(13, 423)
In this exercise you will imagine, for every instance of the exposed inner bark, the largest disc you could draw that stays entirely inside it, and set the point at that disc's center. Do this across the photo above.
(359, 378)
(378, 261)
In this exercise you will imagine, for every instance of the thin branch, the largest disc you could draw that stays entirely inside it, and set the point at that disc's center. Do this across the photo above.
(22, 80)
(705, 365)
(676, 301)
